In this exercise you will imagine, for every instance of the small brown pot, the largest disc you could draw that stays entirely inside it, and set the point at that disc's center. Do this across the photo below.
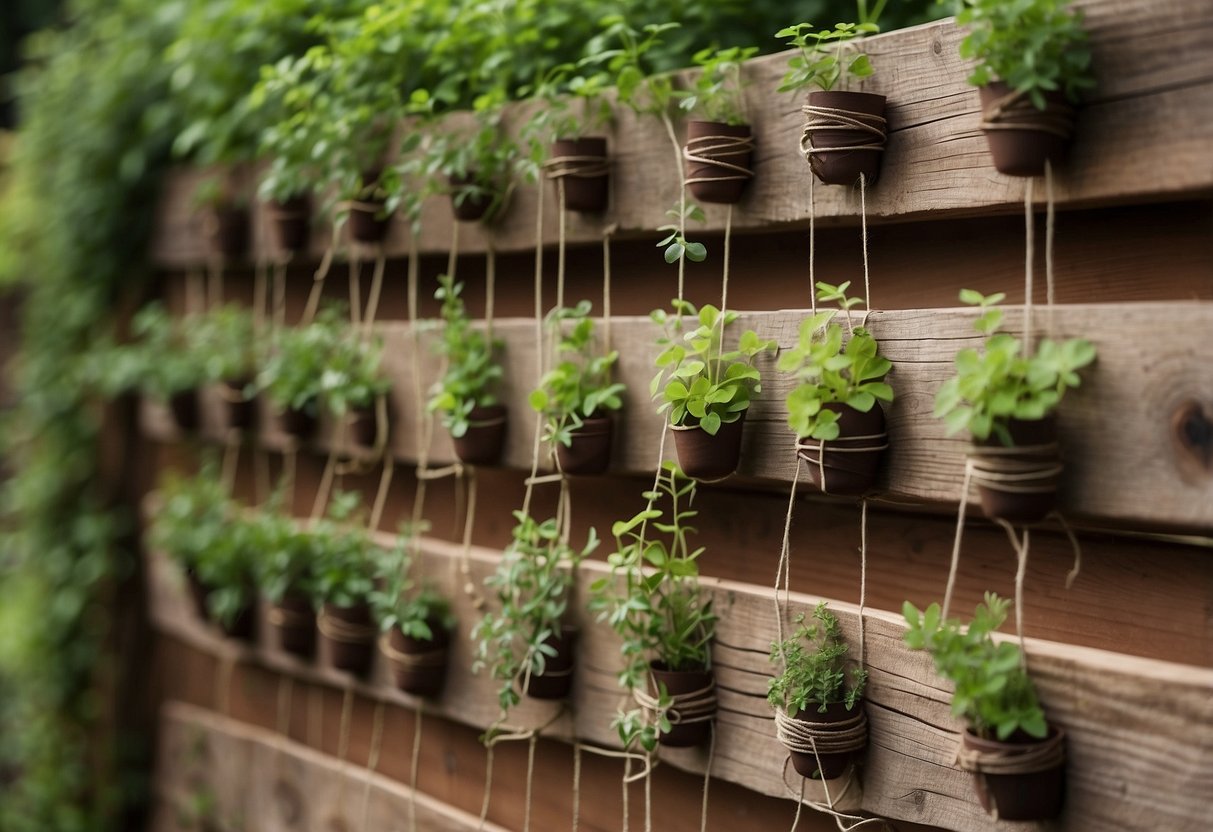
(1035, 796)
(292, 222)
(471, 208)
(229, 231)
(590, 451)
(832, 765)
(364, 426)
(557, 678)
(367, 222)
(1015, 507)
(485, 438)
(294, 622)
(184, 407)
(724, 185)
(298, 422)
(849, 470)
(679, 682)
(1018, 144)
(586, 182)
(238, 411)
(349, 634)
(707, 457)
(423, 672)
(843, 167)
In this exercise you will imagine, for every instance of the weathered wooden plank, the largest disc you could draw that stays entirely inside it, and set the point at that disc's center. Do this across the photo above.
(260, 778)
(1144, 135)
(1140, 731)
(1118, 430)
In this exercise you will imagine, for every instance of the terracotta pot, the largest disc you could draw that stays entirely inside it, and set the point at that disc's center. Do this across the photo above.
(587, 194)
(367, 222)
(238, 412)
(471, 208)
(849, 471)
(590, 451)
(1033, 452)
(1035, 796)
(298, 422)
(184, 407)
(1017, 143)
(229, 231)
(832, 765)
(843, 167)
(726, 185)
(349, 635)
(557, 678)
(424, 672)
(294, 622)
(485, 439)
(707, 457)
(364, 426)
(679, 682)
(291, 220)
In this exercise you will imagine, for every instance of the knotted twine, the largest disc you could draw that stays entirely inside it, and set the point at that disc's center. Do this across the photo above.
(822, 119)
(499, 733)
(559, 168)
(1015, 111)
(717, 151)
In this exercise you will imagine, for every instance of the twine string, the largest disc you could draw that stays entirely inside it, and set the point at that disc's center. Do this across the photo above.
(1016, 111)
(414, 768)
(322, 272)
(719, 152)
(372, 761)
(559, 168)
(372, 302)
(689, 708)
(345, 632)
(828, 119)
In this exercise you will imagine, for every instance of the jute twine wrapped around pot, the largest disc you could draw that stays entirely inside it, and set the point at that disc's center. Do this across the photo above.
(1012, 759)
(816, 738)
(722, 152)
(685, 708)
(820, 119)
(1019, 469)
(576, 167)
(813, 451)
(418, 661)
(1015, 111)
(345, 632)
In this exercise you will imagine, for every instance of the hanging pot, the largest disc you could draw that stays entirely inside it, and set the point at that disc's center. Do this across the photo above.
(349, 635)
(590, 448)
(294, 622)
(291, 220)
(1031, 795)
(718, 149)
(1018, 484)
(1021, 137)
(485, 438)
(418, 666)
(229, 227)
(184, 407)
(473, 206)
(833, 765)
(299, 422)
(682, 682)
(583, 166)
(238, 411)
(557, 678)
(367, 220)
(857, 122)
(707, 457)
(850, 462)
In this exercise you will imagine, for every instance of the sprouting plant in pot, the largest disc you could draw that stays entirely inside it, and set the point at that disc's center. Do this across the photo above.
(527, 643)
(705, 389)
(285, 567)
(654, 602)
(844, 133)
(834, 409)
(161, 362)
(465, 396)
(345, 559)
(414, 617)
(815, 704)
(720, 143)
(1032, 66)
(1005, 395)
(228, 340)
(354, 382)
(293, 376)
(225, 216)
(1016, 757)
(478, 167)
(576, 397)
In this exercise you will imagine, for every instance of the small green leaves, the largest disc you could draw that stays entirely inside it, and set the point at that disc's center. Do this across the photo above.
(814, 662)
(822, 56)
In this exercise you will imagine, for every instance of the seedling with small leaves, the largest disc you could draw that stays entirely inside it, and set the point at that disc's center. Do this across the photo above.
(400, 600)
(471, 372)
(814, 671)
(676, 244)
(826, 56)
(718, 91)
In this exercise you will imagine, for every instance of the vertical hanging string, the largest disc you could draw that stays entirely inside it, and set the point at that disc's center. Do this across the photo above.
(560, 246)
(1029, 231)
(488, 786)
(960, 525)
(606, 288)
(1049, 232)
(539, 350)
(372, 762)
(530, 774)
(356, 288)
(326, 264)
(576, 785)
(863, 573)
(372, 302)
(707, 777)
(812, 247)
(278, 316)
(863, 225)
(413, 768)
(682, 202)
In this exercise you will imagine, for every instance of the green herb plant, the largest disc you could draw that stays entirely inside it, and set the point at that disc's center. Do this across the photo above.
(353, 378)
(402, 601)
(345, 556)
(994, 693)
(826, 56)
(718, 93)
(828, 373)
(569, 105)
(471, 373)
(286, 560)
(814, 671)
(227, 340)
(478, 166)
(1001, 382)
(159, 362)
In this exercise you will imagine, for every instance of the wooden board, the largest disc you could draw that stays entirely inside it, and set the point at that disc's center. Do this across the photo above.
(1140, 731)
(1121, 432)
(1143, 135)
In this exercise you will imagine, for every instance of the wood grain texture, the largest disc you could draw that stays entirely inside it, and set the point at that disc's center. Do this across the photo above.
(1116, 430)
(1143, 135)
(1140, 731)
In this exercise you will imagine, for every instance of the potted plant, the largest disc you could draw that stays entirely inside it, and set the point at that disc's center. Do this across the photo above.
(654, 603)
(227, 340)
(366, 202)
(705, 389)
(344, 580)
(571, 109)
(576, 397)
(354, 382)
(720, 142)
(293, 376)
(836, 398)
(844, 134)
(1033, 64)
(812, 690)
(161, 362)
(465, 395)
(285, 567)
(1006, 397)
(415, 620)
(477, 168)
(1016, 757)
(527, 645)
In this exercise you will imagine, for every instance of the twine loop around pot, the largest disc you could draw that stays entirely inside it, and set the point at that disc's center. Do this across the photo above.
(576, 167)
(685, 708)
(807, 737)
(421, 659)
(280, 616)
(1016, 111)
(717, 151)
(842, 445)
(1021, 469)
(822, 119)
(1014, 758)
(345, 632)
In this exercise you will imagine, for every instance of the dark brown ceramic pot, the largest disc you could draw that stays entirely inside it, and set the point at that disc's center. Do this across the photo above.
(238, 411)
(349, 635)
(850, 462)
(184, 407)
(472, 207)
(418, 667)
(843, 167)
(1021, 137)
(682, 735)
(557, 678)
(718, 145)
(364, 426)
(298, 422)
(294, 623)
(590, 448)
(707, 457)
(292, 222)
(367, 221)
(485, 437)
(582, 165)
(229, 231)
(1033, 462)
(833, 765)
(1032, 796)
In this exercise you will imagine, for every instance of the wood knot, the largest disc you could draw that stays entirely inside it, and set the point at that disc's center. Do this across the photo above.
(1192, 434)
(937, 48)
(290, 804)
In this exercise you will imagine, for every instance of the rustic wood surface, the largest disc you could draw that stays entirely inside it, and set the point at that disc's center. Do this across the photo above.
(1143, 135)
